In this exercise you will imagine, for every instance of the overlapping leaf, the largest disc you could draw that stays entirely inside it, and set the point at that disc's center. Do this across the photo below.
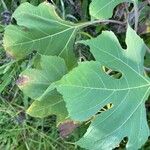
(41, 29)
(87, 89)
(52, 104)
(103, 9)
(38, 85)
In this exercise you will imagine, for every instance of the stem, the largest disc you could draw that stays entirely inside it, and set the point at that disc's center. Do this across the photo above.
(136, 15)
(82, 25)
(86, 34)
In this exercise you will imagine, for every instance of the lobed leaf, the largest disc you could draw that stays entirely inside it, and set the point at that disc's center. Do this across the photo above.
(38, 84)
(53, 104)
(39, 28)
(90, 88)
(103, 9)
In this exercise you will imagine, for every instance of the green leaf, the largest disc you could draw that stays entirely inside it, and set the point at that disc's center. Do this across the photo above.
(7, 77)
(38, 84)
(51, 105)
(1, 28)
(88, 88)
(103, 9)
(41, 29)
(34, 82)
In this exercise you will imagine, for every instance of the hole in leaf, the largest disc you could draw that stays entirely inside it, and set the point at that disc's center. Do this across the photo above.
(122, 144)
(105, 108)
(113, 73)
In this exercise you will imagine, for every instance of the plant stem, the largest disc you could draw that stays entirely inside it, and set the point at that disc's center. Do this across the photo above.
(82, 25)
(136, 16)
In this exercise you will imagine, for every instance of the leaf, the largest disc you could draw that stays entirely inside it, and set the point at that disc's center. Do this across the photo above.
(34, 82)
(5, 67)
(7, 77)
(41, 29)
(51, 105)
(1, 28)
(103, 9)
(38, 84)
(87, 89)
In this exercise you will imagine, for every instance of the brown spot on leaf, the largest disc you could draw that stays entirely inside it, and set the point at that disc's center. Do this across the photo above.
(22, 80)
(67, 128)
